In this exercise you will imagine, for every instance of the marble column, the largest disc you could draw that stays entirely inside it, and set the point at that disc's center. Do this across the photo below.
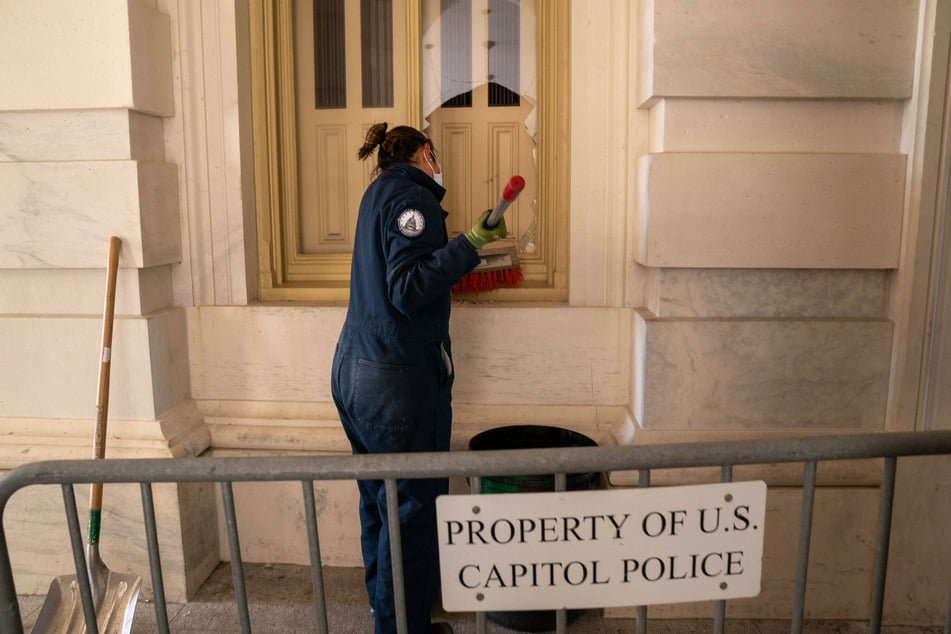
(82, 158)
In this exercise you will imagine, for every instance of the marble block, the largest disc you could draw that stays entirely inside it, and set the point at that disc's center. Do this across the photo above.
(269, 434)
(772, 125)
(82, 291)
(179, 432)
(285, 352)
(538, 356)
(104, 54)
(795, 293)
(61, 214)
(51, 366)
(819, 375)
(80, 135)
(919, 559)
(746, 210)
(541, 356)
(775, 48)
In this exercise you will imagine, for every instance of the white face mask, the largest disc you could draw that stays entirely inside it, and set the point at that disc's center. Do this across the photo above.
(437, 176)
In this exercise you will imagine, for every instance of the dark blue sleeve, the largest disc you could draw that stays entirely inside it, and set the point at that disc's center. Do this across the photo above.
(420, 265)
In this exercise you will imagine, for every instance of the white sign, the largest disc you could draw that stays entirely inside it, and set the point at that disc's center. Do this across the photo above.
(603, 548)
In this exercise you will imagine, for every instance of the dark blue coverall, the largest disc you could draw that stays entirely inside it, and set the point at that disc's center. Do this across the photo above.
(392, 373)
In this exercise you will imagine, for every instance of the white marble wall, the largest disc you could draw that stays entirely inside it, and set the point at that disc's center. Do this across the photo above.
(82, 158)
(769, 212)
(777, 218)
(81, 161)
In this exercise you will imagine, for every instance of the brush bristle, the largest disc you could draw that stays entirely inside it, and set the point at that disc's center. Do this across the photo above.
(488, 281)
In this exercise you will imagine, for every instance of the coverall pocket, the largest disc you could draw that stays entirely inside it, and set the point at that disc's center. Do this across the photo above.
(446, 360)
(392, 399)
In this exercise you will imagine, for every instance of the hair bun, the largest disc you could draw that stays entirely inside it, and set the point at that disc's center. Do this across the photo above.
(393, 145)
(376, 133)
(375, 136)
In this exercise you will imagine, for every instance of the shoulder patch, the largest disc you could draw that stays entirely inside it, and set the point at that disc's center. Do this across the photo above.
(411, 223)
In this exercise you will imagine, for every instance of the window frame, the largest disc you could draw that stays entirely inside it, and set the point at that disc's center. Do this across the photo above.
(271, 25)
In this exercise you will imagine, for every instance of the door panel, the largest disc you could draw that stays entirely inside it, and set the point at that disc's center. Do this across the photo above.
(479, 148)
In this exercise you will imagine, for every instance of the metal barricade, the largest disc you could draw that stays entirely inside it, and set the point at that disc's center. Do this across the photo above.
(474, 465)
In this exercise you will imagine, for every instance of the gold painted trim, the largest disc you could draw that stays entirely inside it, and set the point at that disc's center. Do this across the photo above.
(553, 98)
(414, 63)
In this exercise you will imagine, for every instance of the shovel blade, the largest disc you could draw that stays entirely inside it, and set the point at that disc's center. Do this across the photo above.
(62, 611)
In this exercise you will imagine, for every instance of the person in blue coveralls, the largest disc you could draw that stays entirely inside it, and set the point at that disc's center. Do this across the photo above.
(392, 372)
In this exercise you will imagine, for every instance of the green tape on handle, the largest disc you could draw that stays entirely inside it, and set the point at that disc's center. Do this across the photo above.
(95, 520)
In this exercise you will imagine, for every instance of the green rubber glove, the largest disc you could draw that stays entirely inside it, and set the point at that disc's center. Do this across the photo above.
(479, 235)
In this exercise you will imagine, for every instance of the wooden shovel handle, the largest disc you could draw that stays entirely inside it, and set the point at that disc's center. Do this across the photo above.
(105, 357)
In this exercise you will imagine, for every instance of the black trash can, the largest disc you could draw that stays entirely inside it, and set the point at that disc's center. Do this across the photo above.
(532, 437)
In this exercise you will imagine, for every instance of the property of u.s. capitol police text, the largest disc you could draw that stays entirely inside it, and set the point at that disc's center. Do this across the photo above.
(604, 548)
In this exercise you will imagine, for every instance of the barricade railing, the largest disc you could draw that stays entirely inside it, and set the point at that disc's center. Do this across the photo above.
(472, 464)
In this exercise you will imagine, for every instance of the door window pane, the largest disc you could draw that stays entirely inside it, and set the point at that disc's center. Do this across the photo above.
(503, 45)
(330, 68)
(376, 37)
(455, 31)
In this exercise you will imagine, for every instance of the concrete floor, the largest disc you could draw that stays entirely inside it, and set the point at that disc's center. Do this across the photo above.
(280, 602)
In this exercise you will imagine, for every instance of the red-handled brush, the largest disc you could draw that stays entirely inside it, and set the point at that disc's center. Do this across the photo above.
(499, 266)
(512, 189)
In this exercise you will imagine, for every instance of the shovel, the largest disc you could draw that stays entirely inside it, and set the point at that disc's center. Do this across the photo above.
(113, 595)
